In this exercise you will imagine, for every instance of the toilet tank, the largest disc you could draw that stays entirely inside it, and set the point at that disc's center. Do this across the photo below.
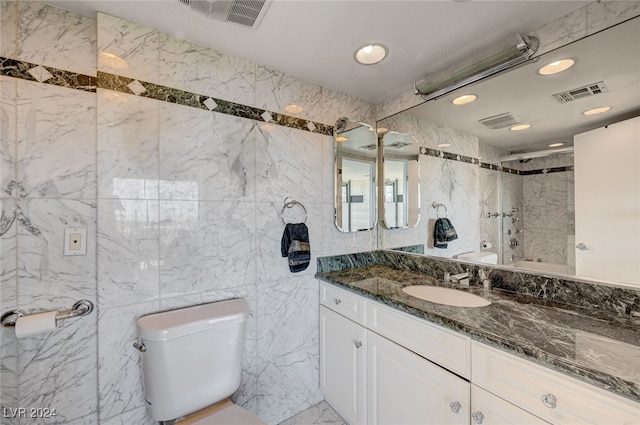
(192, 357)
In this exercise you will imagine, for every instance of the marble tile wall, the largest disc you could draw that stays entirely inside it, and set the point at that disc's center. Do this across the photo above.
(182, 206)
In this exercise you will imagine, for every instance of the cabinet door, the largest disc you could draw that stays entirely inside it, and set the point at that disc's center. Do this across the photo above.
(488, 409)
(405, 389)
(342, 365)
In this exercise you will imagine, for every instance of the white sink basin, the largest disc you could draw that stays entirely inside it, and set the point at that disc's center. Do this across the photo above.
(446, 296)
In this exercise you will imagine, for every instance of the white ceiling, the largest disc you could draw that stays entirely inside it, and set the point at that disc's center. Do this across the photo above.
(315, 40)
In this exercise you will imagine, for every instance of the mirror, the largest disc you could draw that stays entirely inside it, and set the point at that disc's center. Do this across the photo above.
(355, 148)
(499, 206)
(400, 197)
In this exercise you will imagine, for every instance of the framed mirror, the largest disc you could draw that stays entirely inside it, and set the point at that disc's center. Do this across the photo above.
(513, 192)
(355, 148)
(400, 187)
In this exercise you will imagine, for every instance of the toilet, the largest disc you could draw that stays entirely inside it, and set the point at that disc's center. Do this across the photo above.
(191, 364)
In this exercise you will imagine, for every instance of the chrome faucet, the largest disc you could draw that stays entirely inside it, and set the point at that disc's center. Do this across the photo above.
(461, 278)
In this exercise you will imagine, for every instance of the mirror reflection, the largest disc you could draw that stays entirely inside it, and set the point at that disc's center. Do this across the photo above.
(401, 180)
(355, 147)
(494, 162)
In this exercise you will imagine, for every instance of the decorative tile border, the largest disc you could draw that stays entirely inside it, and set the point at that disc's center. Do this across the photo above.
(43, 74)
(488, 166)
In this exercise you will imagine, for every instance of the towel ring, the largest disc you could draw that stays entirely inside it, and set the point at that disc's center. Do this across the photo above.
(289, 202)
(437, 207)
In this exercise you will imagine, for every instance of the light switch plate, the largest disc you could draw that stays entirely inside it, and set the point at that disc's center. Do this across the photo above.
(75, 241)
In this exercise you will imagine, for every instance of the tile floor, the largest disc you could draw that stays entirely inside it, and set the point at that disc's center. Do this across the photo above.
(318, 414)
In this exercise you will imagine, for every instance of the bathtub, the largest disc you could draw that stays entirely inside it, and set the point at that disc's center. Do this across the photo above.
(542, 267)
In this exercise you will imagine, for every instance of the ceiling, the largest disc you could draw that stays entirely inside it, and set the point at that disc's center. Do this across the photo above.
(315, 40)
(608, 56)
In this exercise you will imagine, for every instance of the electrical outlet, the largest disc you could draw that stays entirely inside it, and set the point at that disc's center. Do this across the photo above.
(75, 241)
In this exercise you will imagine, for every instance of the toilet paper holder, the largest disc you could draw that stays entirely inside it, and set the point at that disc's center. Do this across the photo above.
(80, 308)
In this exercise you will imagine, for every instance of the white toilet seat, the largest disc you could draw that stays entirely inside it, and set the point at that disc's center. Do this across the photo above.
(225, 413)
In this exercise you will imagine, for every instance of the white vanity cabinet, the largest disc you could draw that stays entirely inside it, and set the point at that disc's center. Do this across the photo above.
(550, 395)
(381, 366)
(343, 365)
(405, 389)
(488, 409)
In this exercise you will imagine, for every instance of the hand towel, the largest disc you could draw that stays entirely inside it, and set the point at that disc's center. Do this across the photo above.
(295, 246)
(443, 232)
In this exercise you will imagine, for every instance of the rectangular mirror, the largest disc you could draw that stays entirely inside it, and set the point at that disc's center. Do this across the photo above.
(355, 148)
(505, 188)
(400, 200)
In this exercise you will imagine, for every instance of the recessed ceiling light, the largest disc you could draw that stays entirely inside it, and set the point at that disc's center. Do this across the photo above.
(444, 145)
(557, 66)
(520, 127)
(341, 139)
(556, 145)
(371, 54)
(293, 108)
(464, 99)
(598, 110)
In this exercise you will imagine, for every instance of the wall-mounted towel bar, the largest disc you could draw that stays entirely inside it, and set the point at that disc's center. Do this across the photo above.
(437, 206)
(80, 308)
(289, 202)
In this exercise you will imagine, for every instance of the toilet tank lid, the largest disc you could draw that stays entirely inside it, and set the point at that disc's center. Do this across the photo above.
(186, 321)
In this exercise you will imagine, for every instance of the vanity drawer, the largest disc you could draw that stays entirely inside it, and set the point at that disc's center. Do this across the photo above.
(442, 346)
(548, 394)
(343, 302)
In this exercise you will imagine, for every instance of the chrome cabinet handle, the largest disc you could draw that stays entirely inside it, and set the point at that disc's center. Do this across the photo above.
(358, 344)
(477, 417)
(337, 301)
(140, 347)
(455, 406)
(549, 400)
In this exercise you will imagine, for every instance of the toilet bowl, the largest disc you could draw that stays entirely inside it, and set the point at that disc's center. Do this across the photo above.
(192, 362)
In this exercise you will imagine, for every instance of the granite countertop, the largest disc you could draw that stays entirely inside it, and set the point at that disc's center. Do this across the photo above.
(600, 348)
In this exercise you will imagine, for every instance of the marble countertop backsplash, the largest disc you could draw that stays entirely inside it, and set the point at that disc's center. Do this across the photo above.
(596, 339)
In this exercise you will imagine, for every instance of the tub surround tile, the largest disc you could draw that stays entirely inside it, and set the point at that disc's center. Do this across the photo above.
(539, 330)
(46, 74)
(8, 28)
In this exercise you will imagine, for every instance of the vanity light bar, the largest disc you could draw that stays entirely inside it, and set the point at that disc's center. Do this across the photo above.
(447, 81)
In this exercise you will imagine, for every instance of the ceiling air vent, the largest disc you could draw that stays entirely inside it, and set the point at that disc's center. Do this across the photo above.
(580, 92)
(247, 13)
(501, 120)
